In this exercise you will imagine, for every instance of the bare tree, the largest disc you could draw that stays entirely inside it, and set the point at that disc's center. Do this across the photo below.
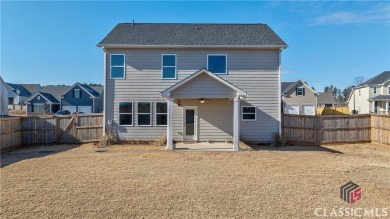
(358, 80)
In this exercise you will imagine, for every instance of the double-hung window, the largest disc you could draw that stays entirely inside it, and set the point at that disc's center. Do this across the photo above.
(144, 114)
(374, 90)
(168, 68)
(217, 64)
(161, 113)
(248, 113)
(117, 62)
(76, 93)
(125, 113)
(388, 90)
(300, 91)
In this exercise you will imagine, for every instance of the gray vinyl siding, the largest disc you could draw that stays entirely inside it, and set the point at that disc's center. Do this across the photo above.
(254, 71)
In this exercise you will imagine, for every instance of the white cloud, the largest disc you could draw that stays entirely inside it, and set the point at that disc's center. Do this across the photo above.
(378, 14)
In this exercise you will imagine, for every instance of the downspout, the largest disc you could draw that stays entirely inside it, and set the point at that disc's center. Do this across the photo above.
(104, 92)
(279, 92)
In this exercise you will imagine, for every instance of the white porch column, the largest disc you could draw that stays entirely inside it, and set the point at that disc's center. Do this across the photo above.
(387, 108)
(236, 123)
(373, 106)
(169, 124)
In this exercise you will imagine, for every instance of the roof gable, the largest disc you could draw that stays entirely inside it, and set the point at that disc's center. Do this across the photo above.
(287, 86)
(49, 97)
(86, 88)
(167, 92)
(325, 98)
(22, 90)
(165, 34)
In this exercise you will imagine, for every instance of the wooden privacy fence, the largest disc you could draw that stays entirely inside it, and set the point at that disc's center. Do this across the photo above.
(380, 129)
(318, 130)
(16, 131)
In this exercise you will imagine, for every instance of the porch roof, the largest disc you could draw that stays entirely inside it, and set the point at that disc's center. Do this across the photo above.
(197, 75)
(381, 97)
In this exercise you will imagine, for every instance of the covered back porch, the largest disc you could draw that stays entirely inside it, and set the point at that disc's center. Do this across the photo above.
(203, 108)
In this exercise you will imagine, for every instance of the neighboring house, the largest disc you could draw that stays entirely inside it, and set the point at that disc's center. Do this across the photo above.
(19, 93)
(3, 98)
(372, 96)
(82, 98)
(47, 100)
(76, 98)
(193, 82)
(325, 99)
(298, 98)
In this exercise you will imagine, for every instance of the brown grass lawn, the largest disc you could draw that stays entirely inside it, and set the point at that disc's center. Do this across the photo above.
(135, 181)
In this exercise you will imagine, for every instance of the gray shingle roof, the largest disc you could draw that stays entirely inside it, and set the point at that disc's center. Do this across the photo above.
(32, 88)
(90, 90)
(381, 97)
(98, 89)
(325, 98)
(49, 97)
(55, 91)
(379, 79)
(192, 35)
(23, 91)
(286, 86)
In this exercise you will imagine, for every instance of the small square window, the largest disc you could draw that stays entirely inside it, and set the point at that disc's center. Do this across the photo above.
(300, 91)
(375, 90)
(217, 64)
(248, 113)
(117, 66)
(38, 97)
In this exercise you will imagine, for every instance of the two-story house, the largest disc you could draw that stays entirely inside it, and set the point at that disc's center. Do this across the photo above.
(77, 98)
(3, 98)
(19, 93)
(372, 96)
(193, 82)
(298, 98)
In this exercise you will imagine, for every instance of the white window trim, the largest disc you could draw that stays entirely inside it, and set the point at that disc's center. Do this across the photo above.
(248, 120)
(124, 66)
(75, 93)
(40, 105)
(150, 114)
(301, 91)
(162, 66)
(38, 97)
(156, 113)
(226, 72)
(132, 113)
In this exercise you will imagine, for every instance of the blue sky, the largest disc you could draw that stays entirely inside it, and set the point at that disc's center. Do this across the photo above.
(332, 42)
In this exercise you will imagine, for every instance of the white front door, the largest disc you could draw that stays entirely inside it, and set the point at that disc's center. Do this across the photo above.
(292, 109)
(190, 124)
(308, 110)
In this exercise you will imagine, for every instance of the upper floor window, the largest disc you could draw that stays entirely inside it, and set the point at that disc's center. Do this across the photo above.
(388, 90)
(168, 67)
(375, 90)
(76, 93)
(38, 97)
(125, 113)
(300, 91)
(217, 64)
(117, 66)
(360, 92)
(144, 114)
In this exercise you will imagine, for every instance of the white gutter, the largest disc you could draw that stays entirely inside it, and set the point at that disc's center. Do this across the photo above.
(127, 46)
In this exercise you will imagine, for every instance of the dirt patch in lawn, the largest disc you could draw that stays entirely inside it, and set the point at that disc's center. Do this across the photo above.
(145, 181)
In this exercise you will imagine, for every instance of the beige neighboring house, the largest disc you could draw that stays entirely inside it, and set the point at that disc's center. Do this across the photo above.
(3, 98)
(325, 99)
(372, 96)
(298, 98)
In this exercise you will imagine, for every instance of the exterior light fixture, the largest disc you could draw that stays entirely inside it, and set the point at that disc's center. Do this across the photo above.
(202, 100)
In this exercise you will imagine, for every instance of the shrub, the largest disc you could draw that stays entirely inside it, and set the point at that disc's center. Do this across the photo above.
(107, 140)
(161, 141)
(278, 141)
